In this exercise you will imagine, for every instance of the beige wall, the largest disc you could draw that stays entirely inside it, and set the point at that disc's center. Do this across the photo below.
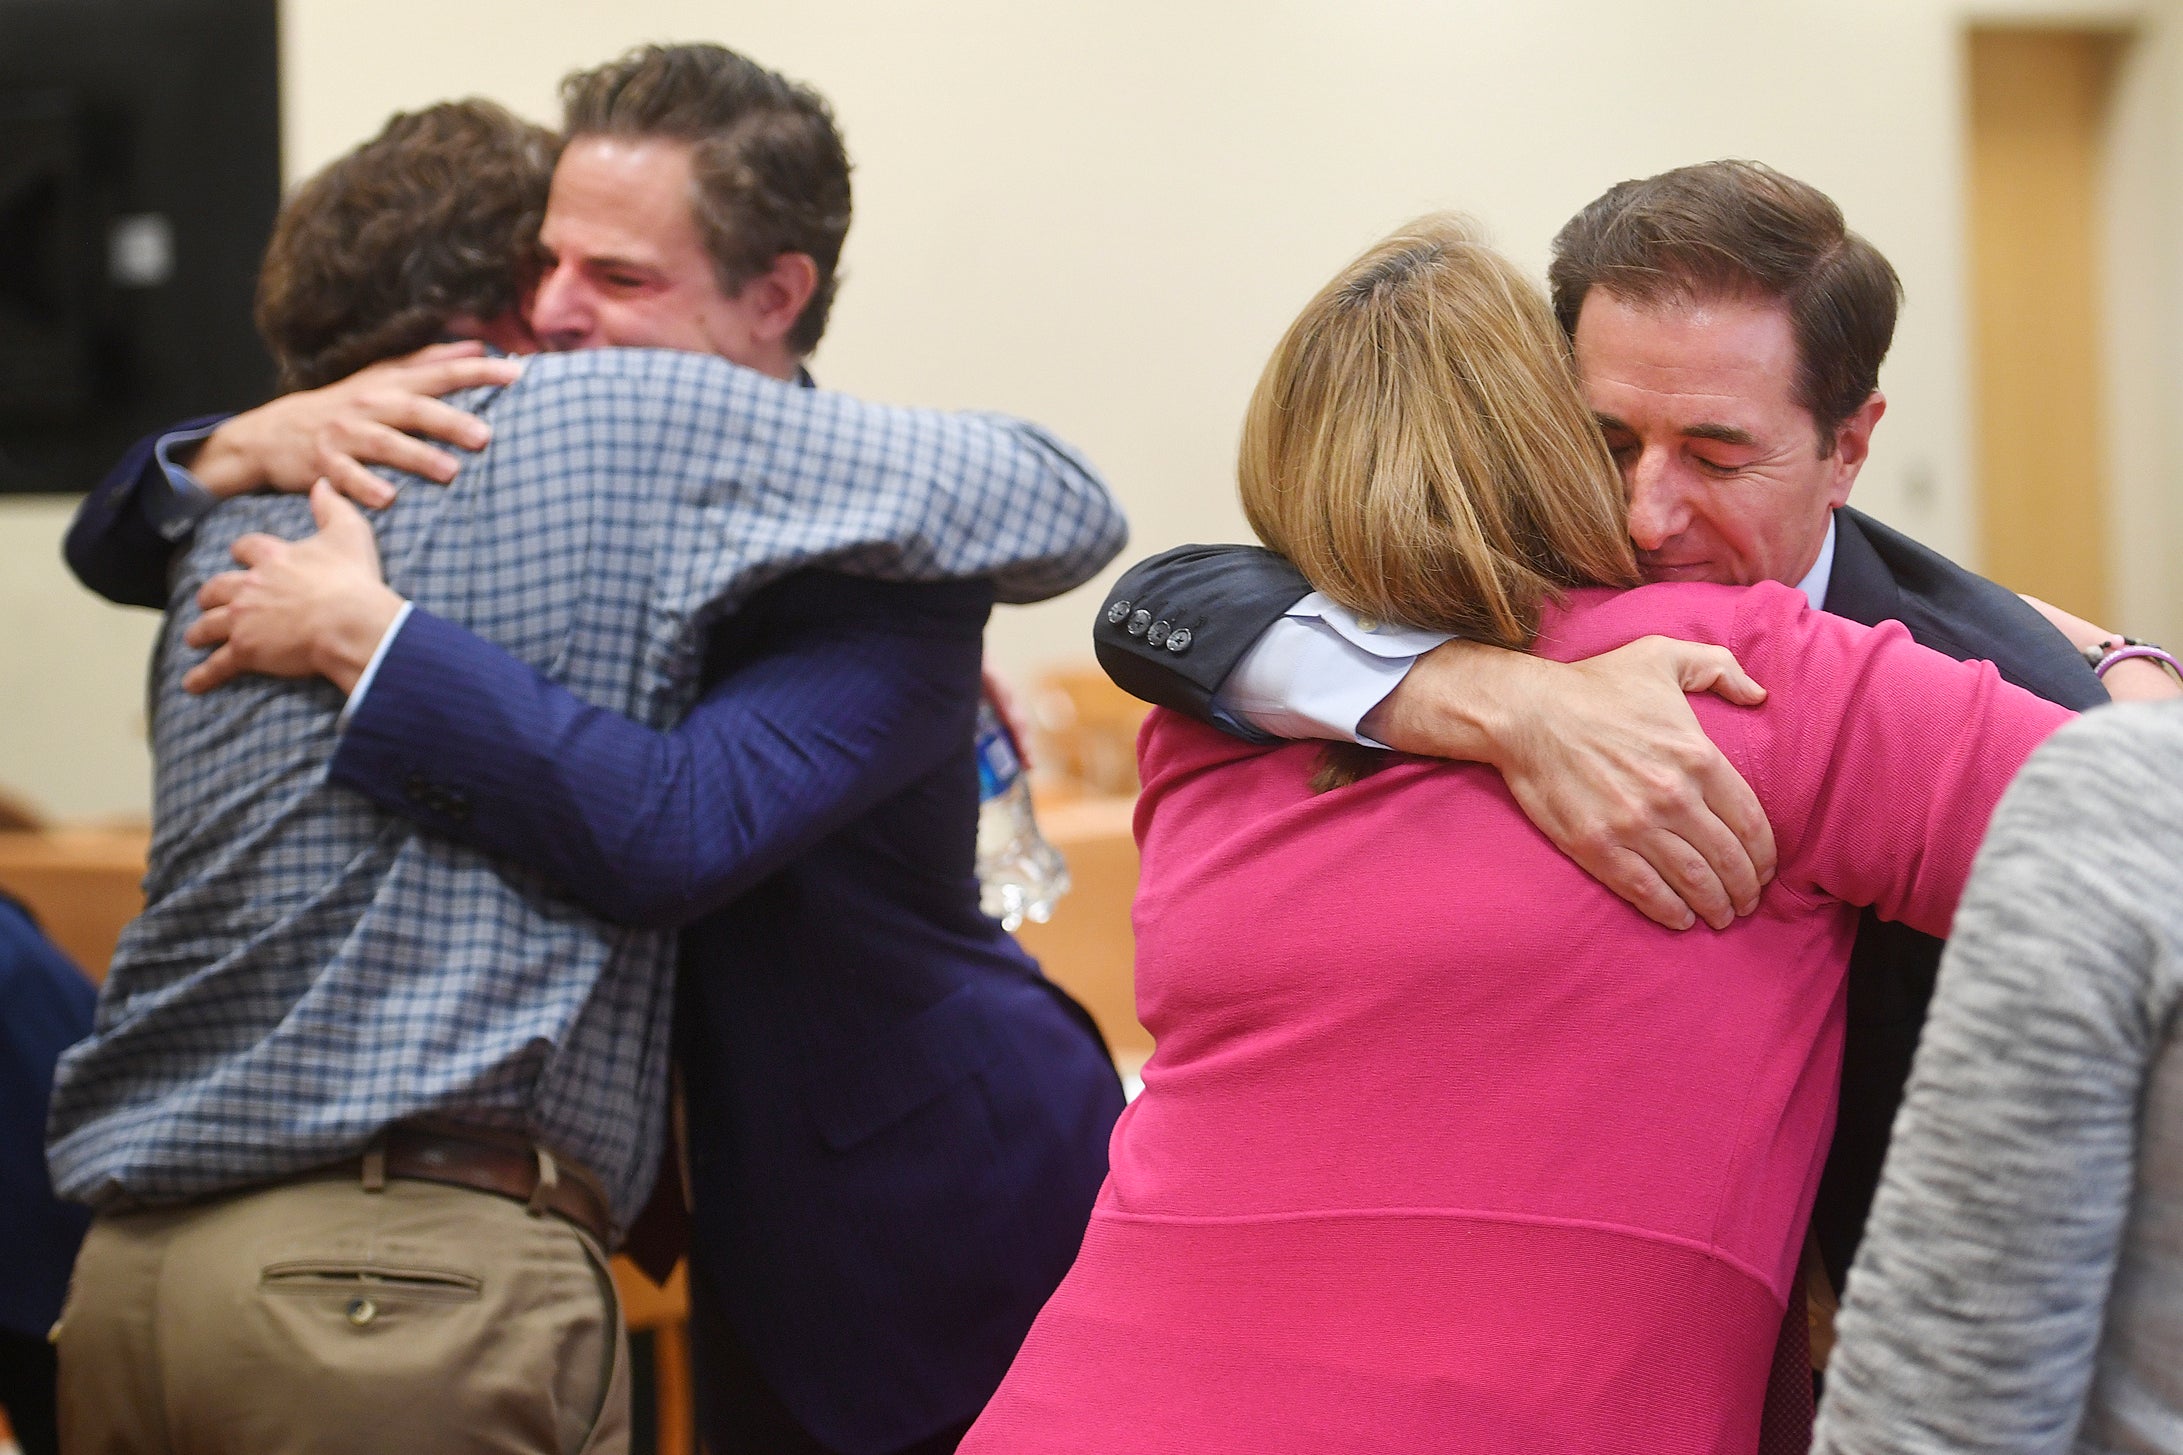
(2144, 328)
(71, 677)
(1102, 215)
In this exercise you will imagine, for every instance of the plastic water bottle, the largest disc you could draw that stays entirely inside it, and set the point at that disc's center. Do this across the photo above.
(1020, 875)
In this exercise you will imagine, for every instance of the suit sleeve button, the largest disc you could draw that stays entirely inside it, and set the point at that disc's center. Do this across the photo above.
(1178, 640)
(1117, 612)
(1139, 622)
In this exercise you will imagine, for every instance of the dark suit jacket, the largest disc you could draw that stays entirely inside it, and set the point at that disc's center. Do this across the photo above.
(45, 1007)
(1227, 595)
(111, 545)
(896, 1124)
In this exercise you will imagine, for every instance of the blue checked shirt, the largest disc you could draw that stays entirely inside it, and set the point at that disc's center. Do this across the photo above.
(309, 970)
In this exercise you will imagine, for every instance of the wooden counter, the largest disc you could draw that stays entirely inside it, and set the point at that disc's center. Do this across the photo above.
(83, 885)
(1088, 948)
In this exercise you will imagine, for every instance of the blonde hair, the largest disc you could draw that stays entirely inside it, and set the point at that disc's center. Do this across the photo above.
(1417, 446)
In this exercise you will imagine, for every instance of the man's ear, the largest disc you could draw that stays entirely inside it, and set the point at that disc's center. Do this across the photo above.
(777, 297)
(508, 331)
(1853, 445)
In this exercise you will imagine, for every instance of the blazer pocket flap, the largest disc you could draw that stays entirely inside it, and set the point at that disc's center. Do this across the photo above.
(913, 1065)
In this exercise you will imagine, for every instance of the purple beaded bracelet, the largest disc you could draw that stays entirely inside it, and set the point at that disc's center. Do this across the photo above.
(2131, 649)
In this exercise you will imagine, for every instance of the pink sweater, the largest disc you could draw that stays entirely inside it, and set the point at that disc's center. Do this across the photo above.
(1446, 1148)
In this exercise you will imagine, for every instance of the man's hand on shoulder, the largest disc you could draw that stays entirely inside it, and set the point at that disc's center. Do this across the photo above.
(314, 607)
(1606, 757)
(373, 417)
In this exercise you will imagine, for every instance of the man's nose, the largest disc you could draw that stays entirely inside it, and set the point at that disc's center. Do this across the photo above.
(1659, 504)
(560, 315)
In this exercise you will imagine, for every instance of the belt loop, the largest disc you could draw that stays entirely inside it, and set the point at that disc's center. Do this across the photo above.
(375, 1166)
(549, 1178)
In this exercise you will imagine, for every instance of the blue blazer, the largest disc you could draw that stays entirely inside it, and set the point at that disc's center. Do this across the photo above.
(45, 1007)
(897, 1126)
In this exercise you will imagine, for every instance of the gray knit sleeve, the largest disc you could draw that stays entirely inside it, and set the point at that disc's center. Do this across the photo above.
(1974, 1313)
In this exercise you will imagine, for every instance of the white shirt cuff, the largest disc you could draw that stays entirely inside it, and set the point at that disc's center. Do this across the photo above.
(1319, 670)
(371, 668)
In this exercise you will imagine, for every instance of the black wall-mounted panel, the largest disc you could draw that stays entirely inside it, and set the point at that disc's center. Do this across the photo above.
(139, 175)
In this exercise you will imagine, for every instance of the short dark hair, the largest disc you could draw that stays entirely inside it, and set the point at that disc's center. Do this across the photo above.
(435, 217)
(770, 173)
(1742, 230)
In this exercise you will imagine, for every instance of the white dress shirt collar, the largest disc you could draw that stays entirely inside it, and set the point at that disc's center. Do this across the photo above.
(1814, 584)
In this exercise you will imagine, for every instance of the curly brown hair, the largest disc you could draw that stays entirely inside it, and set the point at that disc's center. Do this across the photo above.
(434, 218)
(771, 173)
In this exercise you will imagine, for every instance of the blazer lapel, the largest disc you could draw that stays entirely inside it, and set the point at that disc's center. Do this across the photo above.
(1860, 587)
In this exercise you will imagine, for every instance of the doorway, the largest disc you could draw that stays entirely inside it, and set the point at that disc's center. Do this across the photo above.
(2039, 101)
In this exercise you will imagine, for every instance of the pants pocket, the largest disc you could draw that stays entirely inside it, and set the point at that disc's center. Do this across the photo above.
(609, 1431)
(368, 1286)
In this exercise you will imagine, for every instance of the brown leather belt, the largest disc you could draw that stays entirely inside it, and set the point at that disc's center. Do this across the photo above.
(487, 1160)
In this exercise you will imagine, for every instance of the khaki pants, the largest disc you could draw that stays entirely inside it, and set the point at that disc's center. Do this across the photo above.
(317, 1316)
